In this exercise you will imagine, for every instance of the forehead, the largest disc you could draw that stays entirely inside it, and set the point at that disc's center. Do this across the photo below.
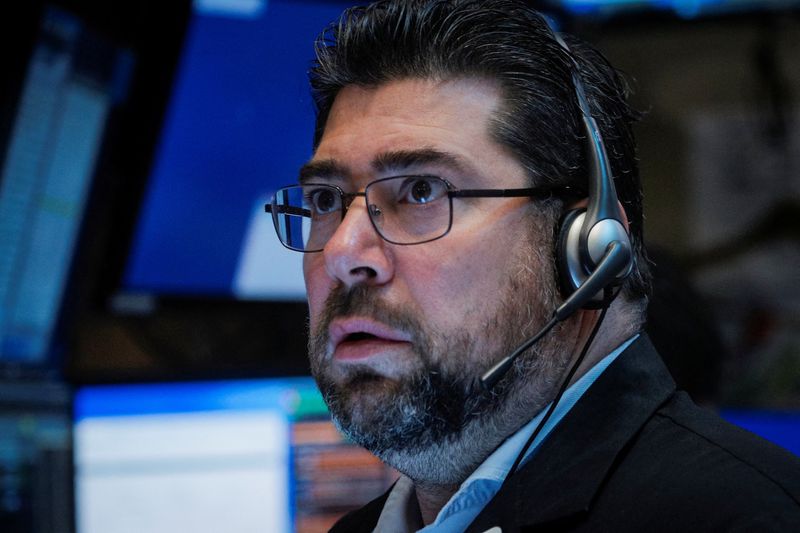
(448, 117)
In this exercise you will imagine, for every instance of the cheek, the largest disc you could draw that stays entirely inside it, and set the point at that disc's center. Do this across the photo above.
(476, 270)
(451, 286)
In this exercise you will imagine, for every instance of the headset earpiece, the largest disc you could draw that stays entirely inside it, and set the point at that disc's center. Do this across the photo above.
(571, 259)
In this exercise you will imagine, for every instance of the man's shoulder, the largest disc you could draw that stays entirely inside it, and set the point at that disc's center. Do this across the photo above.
(690, 446)
(700, 440)
(688, 459)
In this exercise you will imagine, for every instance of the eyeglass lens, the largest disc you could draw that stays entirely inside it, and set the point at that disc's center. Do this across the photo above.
(403, 209)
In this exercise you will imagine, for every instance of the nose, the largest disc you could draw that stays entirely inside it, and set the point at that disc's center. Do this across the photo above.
(356, 254)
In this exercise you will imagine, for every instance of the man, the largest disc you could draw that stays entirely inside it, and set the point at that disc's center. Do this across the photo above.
(421, 276)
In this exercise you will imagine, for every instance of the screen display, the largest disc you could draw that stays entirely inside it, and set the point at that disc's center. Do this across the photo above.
(683, 8)
(46, 177)
(35, 454)
(237, 455)
(238, 126)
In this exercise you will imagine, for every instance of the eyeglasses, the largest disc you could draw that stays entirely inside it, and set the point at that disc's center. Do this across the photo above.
(403, 209)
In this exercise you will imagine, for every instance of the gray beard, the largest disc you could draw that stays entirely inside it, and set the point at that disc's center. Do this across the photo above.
(438, 425)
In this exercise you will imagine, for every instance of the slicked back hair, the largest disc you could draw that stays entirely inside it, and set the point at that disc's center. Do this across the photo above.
(506, 42)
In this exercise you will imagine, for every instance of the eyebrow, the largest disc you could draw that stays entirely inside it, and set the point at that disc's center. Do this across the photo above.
(331, 169)
(326, 169)
(403, 159)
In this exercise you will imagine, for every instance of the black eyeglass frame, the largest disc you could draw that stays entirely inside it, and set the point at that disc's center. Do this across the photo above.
(452, 192)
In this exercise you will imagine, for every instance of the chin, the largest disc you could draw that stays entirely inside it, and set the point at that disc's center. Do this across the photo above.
(444, 462)
(359, 399)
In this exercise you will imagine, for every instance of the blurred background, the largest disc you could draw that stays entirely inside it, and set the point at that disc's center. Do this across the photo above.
(152, 330)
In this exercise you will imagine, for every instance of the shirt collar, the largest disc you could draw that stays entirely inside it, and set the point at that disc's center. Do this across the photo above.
(401, 511)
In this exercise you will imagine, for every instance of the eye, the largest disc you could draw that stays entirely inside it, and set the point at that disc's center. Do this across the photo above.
(323, 200)
(422, 190)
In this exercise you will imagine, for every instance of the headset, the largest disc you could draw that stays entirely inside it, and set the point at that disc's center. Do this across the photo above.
(593, 249)
(586, 234)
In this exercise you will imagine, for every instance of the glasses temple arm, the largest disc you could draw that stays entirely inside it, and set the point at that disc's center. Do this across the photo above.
(541, 192)
(287, 210)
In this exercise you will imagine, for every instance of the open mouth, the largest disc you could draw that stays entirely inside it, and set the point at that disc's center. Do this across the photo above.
(359, 336)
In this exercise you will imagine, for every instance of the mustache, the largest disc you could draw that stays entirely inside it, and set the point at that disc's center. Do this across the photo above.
(362, 300)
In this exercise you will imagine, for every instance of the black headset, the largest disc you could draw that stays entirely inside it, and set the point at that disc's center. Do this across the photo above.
(586, 235)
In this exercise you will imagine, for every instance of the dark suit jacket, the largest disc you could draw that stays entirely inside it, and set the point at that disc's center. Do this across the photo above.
(635, 455)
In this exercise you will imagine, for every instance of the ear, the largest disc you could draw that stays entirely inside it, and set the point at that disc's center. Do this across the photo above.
(624, 217)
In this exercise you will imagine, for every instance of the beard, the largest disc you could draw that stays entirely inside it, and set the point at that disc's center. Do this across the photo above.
(437, 423)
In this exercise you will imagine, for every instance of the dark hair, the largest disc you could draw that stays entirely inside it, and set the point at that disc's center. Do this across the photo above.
(505, 41)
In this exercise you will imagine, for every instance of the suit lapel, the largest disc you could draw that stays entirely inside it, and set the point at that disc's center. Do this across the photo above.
(559, 483)
(362, 520)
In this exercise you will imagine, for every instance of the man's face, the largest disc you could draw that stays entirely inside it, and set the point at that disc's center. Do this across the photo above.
(399, 334)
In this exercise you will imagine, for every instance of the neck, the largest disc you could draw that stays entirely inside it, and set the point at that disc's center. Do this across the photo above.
(618, 326)
(431, 498)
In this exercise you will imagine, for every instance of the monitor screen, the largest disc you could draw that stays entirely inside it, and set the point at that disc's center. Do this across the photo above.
(235, 455)
(35, 454)
(683, 8)
(73, 79)
(238, 126)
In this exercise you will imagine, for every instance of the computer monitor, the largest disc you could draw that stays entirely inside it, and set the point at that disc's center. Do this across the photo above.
(233, 455)
(71, 81)
(239, 124)
(687, 9)
(35, 457)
